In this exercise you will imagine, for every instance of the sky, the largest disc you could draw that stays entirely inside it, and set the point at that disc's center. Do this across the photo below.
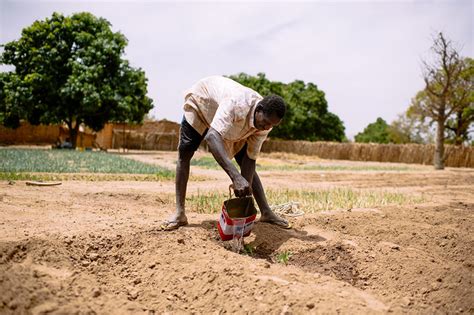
(365, 55)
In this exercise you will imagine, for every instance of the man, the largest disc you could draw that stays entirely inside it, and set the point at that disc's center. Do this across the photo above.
(235, 121)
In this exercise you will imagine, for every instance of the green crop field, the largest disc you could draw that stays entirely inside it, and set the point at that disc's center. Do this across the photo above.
(68, 161)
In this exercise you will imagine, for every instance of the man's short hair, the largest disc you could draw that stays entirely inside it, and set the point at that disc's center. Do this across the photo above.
(273, 104)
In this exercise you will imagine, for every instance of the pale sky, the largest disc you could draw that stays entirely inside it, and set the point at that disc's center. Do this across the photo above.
(365, 55)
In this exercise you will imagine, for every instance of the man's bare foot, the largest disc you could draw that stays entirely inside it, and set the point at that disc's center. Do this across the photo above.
(272, 218)
(174, 222)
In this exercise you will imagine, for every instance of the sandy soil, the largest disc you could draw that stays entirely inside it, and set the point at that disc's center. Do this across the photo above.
(94, 247)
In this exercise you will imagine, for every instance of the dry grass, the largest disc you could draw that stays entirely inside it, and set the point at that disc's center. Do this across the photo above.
(312, 200)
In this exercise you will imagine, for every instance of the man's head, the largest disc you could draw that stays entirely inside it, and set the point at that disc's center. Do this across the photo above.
(269, 112)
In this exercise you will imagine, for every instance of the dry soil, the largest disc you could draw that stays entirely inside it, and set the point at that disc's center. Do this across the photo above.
(94, 247)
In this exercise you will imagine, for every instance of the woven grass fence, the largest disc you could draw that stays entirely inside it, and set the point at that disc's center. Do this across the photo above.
(456, 156)
(131, 139)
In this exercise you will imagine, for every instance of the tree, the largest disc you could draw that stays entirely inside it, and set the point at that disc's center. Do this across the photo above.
(376, 132)
(461, 101)
(307, 116)
(444, 90)
(71, 70)
(409, 127)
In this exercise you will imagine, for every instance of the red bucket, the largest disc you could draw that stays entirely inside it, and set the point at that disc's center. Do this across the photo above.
(237, 218)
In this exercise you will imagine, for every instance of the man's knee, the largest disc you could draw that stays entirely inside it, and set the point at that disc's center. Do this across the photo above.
(189, 138)
(185, 155)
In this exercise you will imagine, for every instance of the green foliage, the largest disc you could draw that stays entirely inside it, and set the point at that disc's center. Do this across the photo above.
(71, 161)
(284, 257)
(376, 132)
(70, 69)
(410, 128)
(458, 124)
(307, 116)
(248, 249)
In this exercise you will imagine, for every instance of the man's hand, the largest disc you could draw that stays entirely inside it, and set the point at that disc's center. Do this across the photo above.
(241, 187)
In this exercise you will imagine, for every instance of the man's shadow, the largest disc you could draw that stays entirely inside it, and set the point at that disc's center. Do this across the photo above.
(268, 237)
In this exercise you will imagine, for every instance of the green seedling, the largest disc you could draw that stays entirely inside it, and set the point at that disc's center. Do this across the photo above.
(248, 249)
(284, 257)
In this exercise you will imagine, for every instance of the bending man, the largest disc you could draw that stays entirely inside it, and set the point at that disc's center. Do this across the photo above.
(235, 121)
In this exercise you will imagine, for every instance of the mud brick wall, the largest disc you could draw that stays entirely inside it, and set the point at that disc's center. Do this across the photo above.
(28, 134)
(400, 153)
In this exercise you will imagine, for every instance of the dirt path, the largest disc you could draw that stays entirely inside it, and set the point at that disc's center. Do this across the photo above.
(86, 247)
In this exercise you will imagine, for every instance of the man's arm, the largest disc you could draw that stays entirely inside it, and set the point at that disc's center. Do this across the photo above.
(216, 145)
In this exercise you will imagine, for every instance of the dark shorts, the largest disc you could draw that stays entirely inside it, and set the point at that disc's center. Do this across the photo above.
(189, 138)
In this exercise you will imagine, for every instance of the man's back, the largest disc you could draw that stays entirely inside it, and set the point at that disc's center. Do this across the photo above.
(216, 89)
(237, 101)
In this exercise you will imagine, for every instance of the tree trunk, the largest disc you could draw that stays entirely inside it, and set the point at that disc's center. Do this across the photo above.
(73, 133)
(459, 132)
(439, 147)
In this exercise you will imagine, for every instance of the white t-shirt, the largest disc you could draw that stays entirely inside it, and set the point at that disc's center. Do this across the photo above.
(229, 108)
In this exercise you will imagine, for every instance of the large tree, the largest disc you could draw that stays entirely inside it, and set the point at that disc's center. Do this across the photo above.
(71, 69)
(307, 116)
(460, 104)
(445, 90)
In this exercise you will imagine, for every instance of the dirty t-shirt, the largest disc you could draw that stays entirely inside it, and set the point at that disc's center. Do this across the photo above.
(229, 108)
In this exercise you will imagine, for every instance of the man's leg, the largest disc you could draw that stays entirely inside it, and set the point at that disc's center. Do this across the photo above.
(267, 215)
(189, 142)
(182, 175)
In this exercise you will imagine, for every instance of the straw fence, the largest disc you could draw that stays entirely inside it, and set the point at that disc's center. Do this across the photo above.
(400, 153)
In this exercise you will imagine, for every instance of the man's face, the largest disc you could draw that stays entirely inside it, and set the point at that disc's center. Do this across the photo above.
(264, 122)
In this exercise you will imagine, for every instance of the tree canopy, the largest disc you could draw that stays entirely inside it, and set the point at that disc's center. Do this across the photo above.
(71, 69)
(307, 116)
(409, 127)
(376, 132)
